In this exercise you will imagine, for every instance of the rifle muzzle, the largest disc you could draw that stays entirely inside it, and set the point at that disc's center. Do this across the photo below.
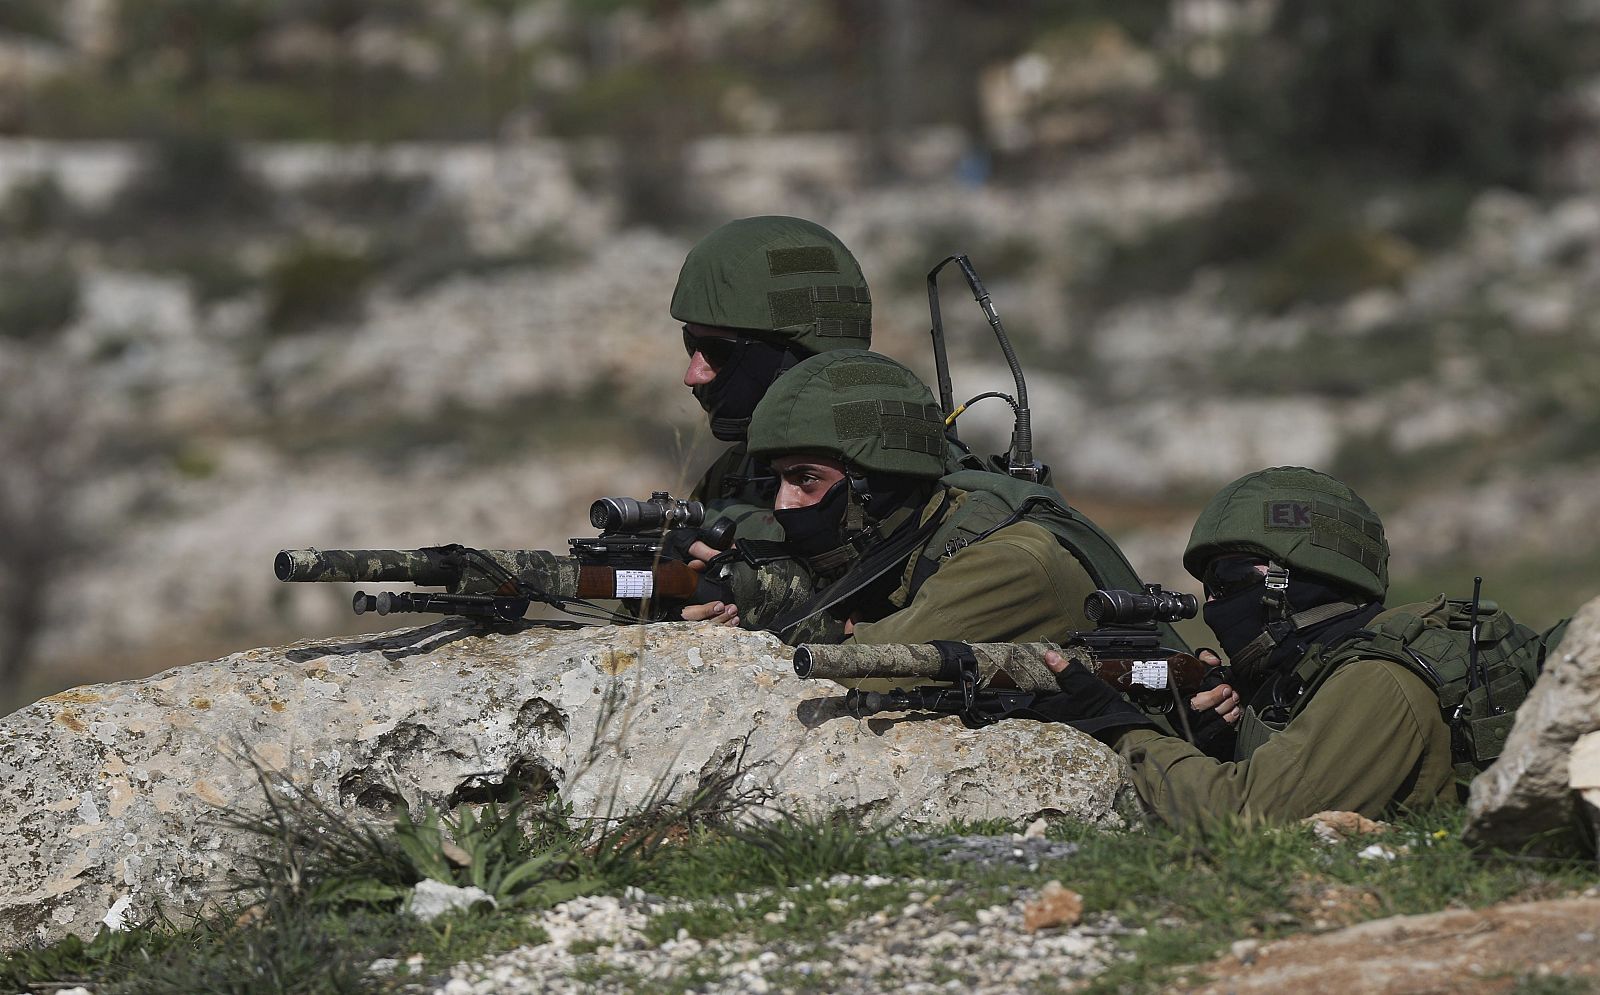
(415, 566)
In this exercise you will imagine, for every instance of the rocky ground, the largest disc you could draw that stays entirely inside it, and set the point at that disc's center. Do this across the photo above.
(1034, 941)
(1023, 945)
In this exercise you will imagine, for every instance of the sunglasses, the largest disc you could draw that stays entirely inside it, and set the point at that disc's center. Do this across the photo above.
(1229, 575)
(719, 352)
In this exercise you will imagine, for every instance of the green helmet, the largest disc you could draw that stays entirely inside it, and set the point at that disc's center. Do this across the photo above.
(781, 278)
(1299, 519)
(855, 406)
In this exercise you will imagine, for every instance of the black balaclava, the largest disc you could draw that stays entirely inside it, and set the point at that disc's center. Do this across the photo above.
(856, 511)
(741, 382)
(815, 529)
(1240, 617)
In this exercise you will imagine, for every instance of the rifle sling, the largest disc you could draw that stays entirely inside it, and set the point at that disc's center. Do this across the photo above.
(889, 556)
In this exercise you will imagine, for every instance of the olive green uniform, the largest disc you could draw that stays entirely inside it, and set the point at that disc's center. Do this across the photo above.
(1016, 585)
(1370, 741)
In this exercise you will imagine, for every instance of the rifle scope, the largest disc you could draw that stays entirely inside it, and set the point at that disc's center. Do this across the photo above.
(1113, 607)
(660, 513)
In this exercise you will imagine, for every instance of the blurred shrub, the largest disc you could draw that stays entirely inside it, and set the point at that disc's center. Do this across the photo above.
(1462, 88)
(35, 206)
(658, 110)
(1277, 244)
(311, 283)
(193, 177)
(374, 197)
(996, 255)
(33, 18)
(1323, 264)
(213, 273)
(37, 300)
(1331, 364)
(421, 264)
(192, 41)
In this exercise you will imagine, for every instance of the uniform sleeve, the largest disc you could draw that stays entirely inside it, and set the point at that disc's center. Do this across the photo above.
(1017, 585)
(1369, 738)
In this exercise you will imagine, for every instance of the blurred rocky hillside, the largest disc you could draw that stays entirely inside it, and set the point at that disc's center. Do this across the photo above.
(433, 305)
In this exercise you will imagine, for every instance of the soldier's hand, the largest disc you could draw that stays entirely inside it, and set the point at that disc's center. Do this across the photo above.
(700, 554)
(720, 612)
(1222, 699)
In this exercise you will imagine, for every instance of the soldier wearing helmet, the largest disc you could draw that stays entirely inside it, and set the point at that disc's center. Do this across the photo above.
(1293, 563)
(756, 296)
(895, 548)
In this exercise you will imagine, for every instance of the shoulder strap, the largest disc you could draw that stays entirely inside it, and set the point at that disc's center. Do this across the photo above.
(1019, 500)
(890, 555)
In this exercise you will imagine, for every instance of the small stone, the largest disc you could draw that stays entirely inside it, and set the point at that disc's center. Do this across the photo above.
(1035, 830)
(431, 899)
(1245, 951)
(1055, 906)
(1335, 827)
(458, 986)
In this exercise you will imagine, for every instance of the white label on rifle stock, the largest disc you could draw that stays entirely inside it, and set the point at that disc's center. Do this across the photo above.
(1150, 673)
(635, 583)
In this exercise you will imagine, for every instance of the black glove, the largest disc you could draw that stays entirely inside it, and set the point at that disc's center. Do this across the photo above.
(1206, 730)
(1088, 704)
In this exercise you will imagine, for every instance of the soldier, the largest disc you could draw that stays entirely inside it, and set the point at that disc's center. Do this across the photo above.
(897, 549)
(1294, 565)
(757, 296)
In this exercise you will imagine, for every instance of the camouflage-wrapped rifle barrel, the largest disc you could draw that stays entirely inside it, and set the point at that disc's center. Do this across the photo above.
(459, 570)
(1000, 666)
(1017, 666)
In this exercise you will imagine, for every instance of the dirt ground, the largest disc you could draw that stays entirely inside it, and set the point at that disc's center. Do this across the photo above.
(1497, 949)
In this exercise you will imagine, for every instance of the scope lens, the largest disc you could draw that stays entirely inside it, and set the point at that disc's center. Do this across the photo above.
(616, 514)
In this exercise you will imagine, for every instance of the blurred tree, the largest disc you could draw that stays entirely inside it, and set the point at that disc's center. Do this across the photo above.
(1424, 88)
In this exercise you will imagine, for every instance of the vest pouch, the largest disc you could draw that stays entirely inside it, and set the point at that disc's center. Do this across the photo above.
(1253, 731)
(1485, 734)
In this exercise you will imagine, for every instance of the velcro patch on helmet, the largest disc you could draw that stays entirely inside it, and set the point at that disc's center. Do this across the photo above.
(845, 294)
(841, 312)
(1286, 515)
(791, 307)
(847, 375)
(897, 424)
(1332, 527)
(1348, 534)
(844, 328)
(802, 259)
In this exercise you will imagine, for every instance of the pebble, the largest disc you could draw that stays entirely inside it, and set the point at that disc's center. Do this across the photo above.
(913, 948)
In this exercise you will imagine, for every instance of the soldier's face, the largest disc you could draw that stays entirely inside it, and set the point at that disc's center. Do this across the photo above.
(805, 480)
(708, 350)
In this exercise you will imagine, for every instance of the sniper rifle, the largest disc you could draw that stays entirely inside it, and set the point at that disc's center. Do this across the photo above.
(986, 682)
(632, 558)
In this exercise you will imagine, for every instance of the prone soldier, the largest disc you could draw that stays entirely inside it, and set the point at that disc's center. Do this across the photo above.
(1342, 698)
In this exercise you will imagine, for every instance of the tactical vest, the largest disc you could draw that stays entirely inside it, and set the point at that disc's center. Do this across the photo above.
(996, 500)
(1433, 639)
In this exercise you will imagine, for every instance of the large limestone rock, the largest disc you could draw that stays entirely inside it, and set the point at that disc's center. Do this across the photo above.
(109, 794)
(1526, 799)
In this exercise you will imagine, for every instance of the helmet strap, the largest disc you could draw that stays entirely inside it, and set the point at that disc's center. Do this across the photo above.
(1283, 621)
(854, 531)
(1275, 599)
